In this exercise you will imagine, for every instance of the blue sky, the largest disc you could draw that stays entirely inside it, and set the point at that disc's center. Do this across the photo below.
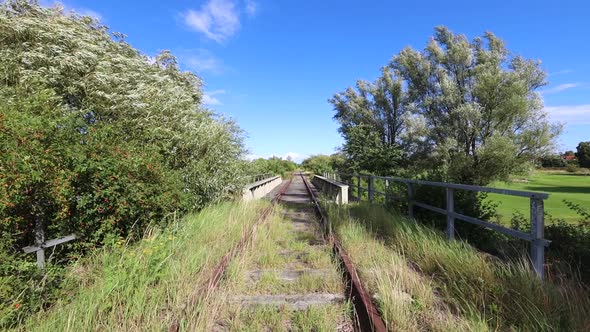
(272, 65)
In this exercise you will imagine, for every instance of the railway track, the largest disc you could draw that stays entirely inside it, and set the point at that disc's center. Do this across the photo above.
(293, 272)
(203, 291)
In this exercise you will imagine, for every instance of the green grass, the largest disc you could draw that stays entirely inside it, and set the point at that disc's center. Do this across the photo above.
(278, 246)
(148, 285)
(423, 282)
(560, 186)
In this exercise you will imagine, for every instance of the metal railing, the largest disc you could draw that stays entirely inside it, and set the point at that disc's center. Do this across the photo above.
(535, 237)
(259, 177)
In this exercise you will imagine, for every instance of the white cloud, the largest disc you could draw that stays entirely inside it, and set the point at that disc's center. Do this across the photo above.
(251, 8)
(560, 88)
(570, 114)
(296, 157)
(67, 8)
(252, 156)
(210, 99)
(217, 19)
(201, 61)
(561, 72)
(88, 12)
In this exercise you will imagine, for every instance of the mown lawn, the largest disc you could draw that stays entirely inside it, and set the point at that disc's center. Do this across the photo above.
(560, 186)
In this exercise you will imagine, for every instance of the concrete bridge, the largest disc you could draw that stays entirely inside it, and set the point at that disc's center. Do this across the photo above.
(339, 187)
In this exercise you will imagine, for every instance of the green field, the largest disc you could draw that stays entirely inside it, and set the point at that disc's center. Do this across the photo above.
(559, 186)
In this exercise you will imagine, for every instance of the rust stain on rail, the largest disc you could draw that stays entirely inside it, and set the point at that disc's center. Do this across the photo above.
(203, 291)
(368, 318)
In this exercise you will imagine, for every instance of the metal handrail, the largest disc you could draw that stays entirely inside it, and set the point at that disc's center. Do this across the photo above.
(535, 236)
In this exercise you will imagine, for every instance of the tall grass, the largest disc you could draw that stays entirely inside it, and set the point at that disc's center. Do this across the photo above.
(423, 281)
(150, 285)
(279, 246)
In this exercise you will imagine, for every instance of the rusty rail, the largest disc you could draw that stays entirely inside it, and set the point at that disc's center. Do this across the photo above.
(368, 318)
(203, 291)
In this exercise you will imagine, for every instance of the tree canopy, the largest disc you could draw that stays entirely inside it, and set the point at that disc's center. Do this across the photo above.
(97, 138)
(274, 165)
(463, 111)
(320, 163)
(583, 154)
(371, 121)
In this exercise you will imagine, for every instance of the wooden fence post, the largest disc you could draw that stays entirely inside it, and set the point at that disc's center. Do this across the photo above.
(371, 188)
(39, 240)
(358, 188)
(450, 211)
(537, 233)
(410, 200)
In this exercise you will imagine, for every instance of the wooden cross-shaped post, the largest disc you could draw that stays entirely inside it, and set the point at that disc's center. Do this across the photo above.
(40, 248)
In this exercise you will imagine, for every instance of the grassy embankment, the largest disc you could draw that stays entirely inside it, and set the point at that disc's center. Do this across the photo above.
(560, 185)
(424, 282)
(148, 285)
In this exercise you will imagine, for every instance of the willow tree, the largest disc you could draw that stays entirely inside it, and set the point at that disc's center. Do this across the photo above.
(481, 116)
(371, 121)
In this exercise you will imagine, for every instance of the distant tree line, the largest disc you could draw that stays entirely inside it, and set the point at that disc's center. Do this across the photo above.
(320, 164)
(579, 158)
(583, 154)
(274, 165)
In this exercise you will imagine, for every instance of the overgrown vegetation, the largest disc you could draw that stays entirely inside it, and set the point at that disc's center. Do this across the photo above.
(424, 282)
(153, 283)
(96, 139)
(466, 112)
(279, 246)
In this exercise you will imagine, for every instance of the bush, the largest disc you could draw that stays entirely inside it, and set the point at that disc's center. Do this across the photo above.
(24, 289)
(572, 168)
(95, 139)
(569, 251)
(552, 161)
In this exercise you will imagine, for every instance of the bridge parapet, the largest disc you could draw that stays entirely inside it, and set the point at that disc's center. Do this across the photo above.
(333, 189)
(261, 188)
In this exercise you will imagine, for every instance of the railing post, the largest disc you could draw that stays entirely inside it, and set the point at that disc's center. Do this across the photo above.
(410, 200)
(371, 188)
(450, 213)
(358, 188)
(39, 240)
(537, 234)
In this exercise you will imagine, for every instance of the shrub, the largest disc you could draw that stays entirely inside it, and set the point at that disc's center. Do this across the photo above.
(95, 140)
(552, 161)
